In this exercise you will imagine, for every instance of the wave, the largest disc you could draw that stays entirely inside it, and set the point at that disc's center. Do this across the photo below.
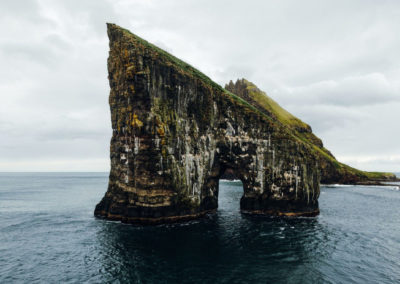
(337, 185)
(230, 180)
(391, 186)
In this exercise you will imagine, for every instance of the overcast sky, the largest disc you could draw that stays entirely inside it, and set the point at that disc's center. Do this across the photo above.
(334, 64)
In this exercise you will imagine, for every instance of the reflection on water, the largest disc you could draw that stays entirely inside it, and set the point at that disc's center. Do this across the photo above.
(48, 235)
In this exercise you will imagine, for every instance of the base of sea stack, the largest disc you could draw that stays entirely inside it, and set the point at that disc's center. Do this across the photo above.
(258, 206)
(275, 213)
(147, 215)
(152, 220)
(172, 214)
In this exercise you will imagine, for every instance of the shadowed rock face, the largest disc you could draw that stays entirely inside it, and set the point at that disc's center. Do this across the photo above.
(175, 132)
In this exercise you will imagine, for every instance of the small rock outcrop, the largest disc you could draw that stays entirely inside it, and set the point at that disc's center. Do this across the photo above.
(175, 132)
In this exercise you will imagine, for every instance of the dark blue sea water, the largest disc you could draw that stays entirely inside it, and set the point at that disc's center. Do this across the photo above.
(48, 235)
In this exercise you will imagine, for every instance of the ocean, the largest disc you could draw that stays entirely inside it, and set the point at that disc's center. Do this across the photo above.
(48, 234)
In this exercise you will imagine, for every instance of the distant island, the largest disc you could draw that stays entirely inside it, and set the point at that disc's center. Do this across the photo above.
(176, 133)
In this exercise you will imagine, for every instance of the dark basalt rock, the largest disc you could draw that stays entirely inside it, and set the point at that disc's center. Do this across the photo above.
(175, 132)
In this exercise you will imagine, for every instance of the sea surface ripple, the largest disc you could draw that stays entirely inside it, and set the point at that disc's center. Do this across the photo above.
(48, 234)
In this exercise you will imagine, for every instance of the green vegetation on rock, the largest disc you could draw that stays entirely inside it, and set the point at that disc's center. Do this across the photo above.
(332, 171)
(175, 132)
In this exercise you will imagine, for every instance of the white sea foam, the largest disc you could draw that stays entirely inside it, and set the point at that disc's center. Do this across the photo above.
(392, 186)
(230, 180)
(337, 185)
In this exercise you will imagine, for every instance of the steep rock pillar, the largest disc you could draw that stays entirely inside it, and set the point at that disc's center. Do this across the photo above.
(175, 132)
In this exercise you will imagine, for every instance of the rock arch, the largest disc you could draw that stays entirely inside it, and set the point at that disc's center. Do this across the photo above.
(175, 131)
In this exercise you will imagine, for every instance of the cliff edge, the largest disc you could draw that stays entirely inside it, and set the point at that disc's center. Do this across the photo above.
(175, 132)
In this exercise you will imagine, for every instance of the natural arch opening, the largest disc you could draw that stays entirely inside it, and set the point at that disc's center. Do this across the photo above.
(230, 191)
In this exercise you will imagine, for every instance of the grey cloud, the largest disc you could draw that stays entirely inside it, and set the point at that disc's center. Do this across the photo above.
(37, 52)
(56, 41)
(13, 12)
(333, 64)
(351, 91)
(325, 118)
(385, 163)
(92, 14)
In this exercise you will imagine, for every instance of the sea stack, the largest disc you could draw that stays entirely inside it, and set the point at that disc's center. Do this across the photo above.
(175, 132)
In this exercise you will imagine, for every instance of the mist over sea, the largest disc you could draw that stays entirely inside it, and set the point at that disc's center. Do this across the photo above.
(48, 234)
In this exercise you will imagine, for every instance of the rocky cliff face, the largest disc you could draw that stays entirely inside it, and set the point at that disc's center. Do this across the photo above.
(175, 132)
(332, 171)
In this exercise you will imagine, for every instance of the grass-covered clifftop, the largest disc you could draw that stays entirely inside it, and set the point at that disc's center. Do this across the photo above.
(246, 93)
(332, 171)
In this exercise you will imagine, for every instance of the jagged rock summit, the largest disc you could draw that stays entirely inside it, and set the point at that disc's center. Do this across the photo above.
(175, 132)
